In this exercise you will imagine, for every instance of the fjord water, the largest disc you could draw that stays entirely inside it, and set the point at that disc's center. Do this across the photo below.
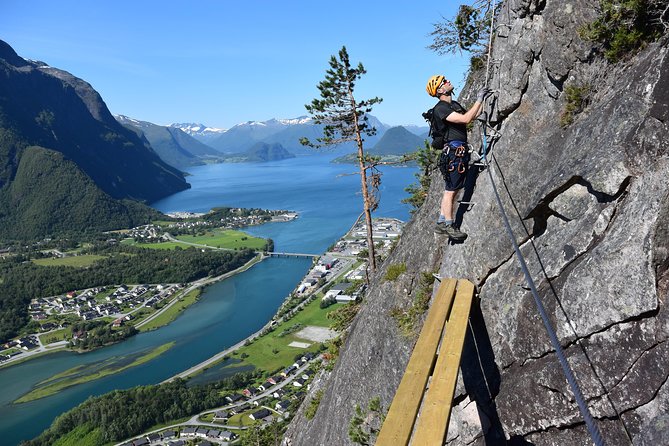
(327, 199)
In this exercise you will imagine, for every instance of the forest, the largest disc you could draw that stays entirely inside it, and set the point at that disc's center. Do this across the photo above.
(123, 413)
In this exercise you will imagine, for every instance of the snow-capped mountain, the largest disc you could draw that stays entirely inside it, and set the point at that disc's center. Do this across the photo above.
(286, 132)
(296, 121)
(201, 132)
(173, 145)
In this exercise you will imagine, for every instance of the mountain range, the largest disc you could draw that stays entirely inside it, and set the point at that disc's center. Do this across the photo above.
(65, 163)
(174, 146)
(286, 132)
(68, 165)
(188, 144)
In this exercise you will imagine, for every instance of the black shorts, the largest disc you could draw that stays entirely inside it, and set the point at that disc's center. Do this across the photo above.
(453, 164)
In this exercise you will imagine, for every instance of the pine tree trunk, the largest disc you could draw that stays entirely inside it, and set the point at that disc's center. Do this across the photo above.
(366, 199)
(366, 203)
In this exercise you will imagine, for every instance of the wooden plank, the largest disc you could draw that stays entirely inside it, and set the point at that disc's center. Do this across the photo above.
(432, 426)
(398, 425)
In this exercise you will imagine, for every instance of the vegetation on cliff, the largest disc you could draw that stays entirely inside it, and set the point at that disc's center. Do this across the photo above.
(624, 26)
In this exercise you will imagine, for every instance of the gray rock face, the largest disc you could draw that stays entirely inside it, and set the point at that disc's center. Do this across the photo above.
(589, 207)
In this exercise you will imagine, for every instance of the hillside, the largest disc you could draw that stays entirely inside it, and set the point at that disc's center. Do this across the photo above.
(394, 143)
(267, 152)
(259, 152)
(73, 204)
(172, 145)
(397, 141)
(589, 206)
(49, 108)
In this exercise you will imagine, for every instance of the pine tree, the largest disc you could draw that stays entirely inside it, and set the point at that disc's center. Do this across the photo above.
(345, 120)
(468, 31)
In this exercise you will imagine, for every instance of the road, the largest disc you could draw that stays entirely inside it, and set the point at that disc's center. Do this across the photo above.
(338, 271)
(62, 344)
(195, 421)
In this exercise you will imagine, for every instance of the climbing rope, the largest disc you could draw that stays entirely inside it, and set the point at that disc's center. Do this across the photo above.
(566, 368)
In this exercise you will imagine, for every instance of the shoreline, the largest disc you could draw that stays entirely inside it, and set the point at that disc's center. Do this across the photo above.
(200, 284)
(69, 378)
(198, 368)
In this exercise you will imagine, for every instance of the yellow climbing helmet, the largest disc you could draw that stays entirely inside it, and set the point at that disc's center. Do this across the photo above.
(433, 84)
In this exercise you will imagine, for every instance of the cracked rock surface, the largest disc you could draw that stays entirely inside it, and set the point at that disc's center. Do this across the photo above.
(589, 207)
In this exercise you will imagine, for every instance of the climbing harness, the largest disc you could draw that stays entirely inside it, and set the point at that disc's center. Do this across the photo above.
(454, 157)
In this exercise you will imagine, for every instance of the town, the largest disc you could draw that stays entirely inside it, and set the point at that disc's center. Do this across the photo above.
(224, 218)
(121, 304)
(336, 277)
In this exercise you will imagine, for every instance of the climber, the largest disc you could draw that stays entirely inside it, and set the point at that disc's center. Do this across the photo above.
(449, 134)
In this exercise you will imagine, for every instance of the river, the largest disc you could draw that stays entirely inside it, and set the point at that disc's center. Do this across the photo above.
(327, 199)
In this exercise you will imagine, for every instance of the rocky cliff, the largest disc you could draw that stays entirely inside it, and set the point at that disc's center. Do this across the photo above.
(589, 207)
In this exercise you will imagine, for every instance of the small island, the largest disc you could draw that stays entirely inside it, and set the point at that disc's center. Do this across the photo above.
(259, 152)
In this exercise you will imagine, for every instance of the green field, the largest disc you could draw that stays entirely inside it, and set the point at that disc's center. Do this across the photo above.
(272, 352)
(172, 312)
(76, 261)
(54, 336)
(83, 374)
(227, 238)
(215, 238)
(161, 245)
(312, 314)
(207, 418)
(241, 419)
(10, 351)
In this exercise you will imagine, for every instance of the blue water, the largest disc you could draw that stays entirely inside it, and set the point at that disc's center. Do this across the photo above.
(328, 203)
(325, 195)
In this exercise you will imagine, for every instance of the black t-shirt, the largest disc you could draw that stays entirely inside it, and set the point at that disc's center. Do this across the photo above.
(452, 132)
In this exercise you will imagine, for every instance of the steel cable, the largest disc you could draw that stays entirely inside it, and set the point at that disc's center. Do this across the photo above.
(566, 368)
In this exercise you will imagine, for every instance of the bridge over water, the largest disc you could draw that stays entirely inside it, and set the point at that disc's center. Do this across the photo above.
(291, 254)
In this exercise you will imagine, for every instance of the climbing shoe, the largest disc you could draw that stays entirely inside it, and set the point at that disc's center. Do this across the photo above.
(450, 230)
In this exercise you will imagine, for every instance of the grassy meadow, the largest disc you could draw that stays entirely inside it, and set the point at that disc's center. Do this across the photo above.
(272, 352)
(225, 238)
(172, 312)
(215, 238)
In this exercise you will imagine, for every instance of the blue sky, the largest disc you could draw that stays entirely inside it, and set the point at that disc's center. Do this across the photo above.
(225, 62)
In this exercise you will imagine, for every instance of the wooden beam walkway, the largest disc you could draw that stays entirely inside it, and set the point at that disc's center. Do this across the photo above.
(421, 410)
